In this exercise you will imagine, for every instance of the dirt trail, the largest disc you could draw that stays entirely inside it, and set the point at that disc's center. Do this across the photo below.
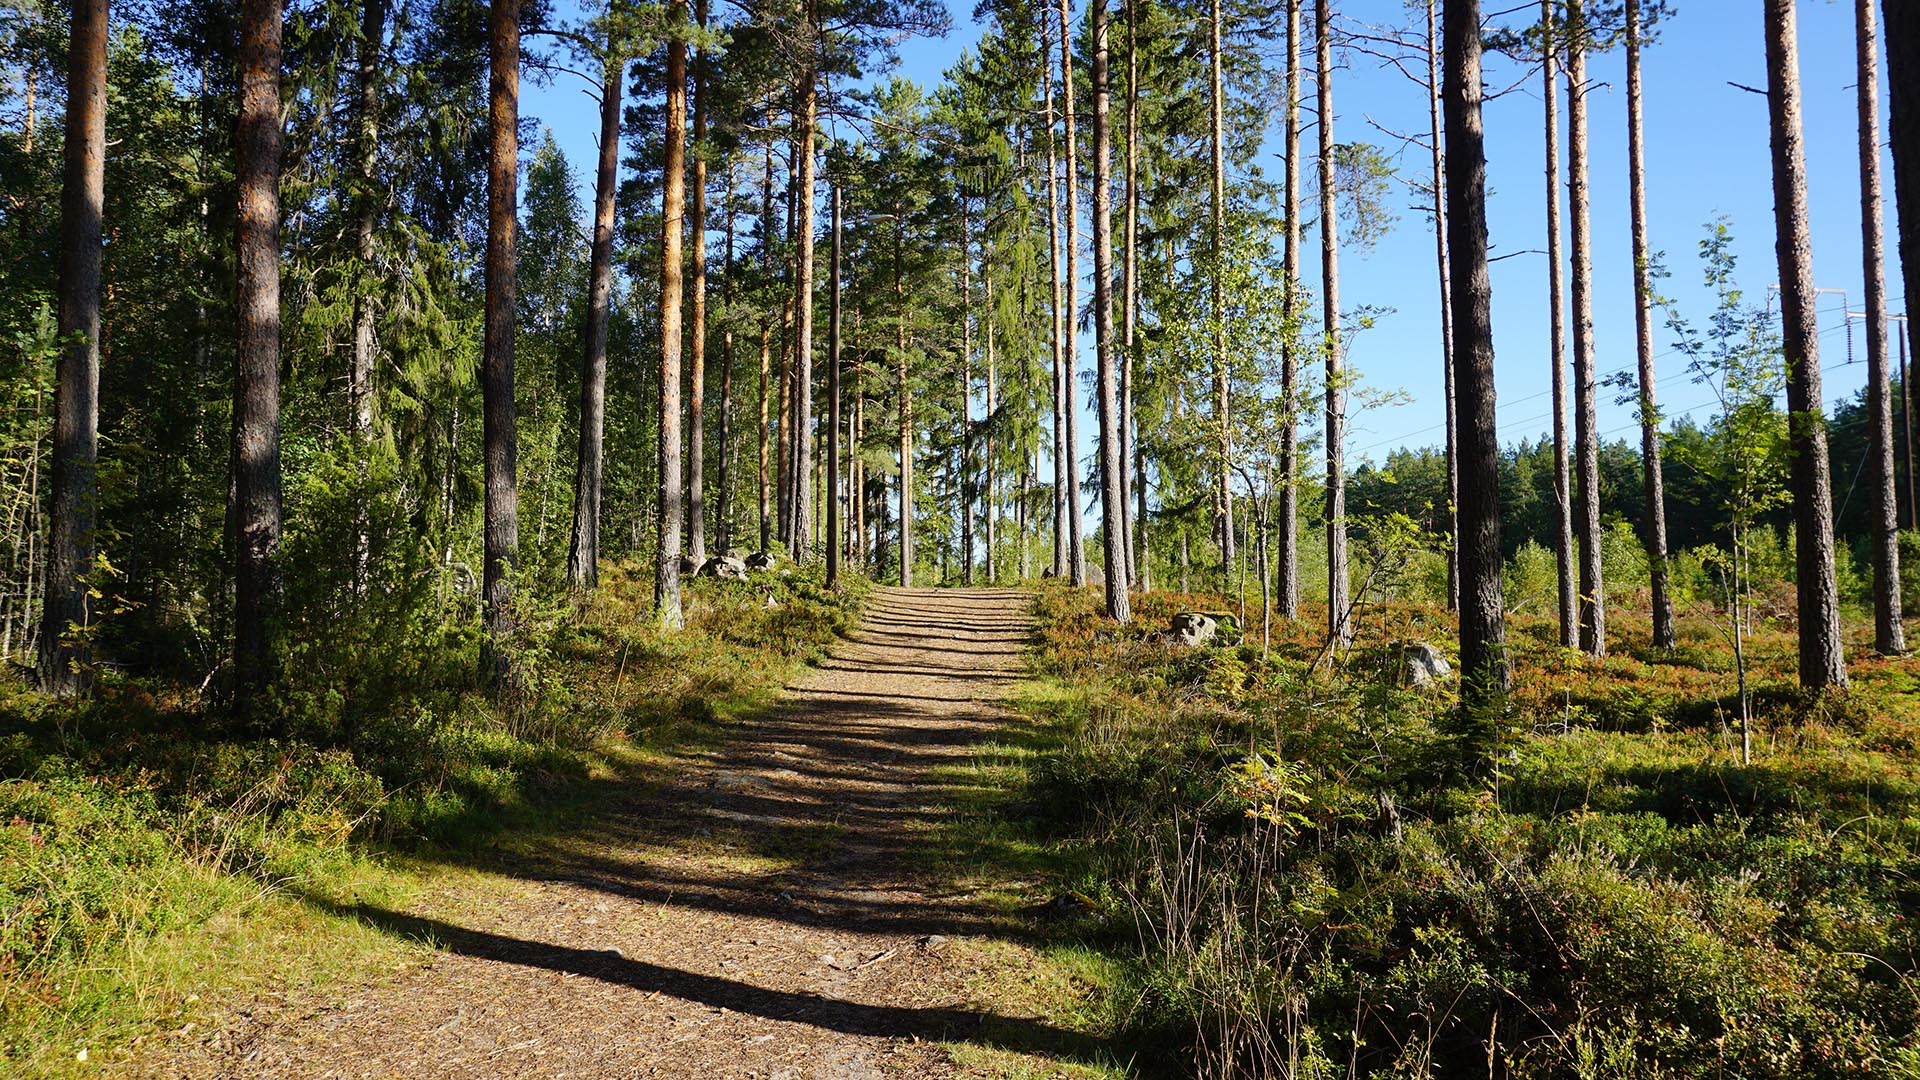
(758, 913)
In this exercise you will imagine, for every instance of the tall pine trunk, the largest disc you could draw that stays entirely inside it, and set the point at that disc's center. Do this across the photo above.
(1593, 606)
(963, 480)
(1070, 351)
(1287, 526)
(724, 516)
(1483, 665)
(1889, 636)
(1822, 663)
(1339, 628)
(1216, 248)
(905, 403)
(673, 197)
(990, 520)
(1113, 485)
(1062, 326)
(1653, 484)
(767, 231)
(64, 657)
(583, 555)
(1563, 546)
(373, 21)
(805, 116)
(256, 368)
(832, 509)
(1133, 468)
(1446, 311)
(697, 333)
(1903, 123)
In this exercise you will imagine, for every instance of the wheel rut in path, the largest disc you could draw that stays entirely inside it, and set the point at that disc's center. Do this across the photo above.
(756, 912)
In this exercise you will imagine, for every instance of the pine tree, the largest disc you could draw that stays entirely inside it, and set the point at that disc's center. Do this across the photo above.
(583, 559)
(1586, 502)
(666, 589)
(64, 658)
(1653, 483)
(1822, 662)
(1483, 666)
(256, 519)
(1339, 625)
(1113, 488)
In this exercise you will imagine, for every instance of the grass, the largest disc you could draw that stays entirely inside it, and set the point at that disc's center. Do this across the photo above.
(1297, 872)
(155, 864)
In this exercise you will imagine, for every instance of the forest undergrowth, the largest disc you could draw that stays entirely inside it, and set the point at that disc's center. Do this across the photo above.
(154, 857)
(1309, 874)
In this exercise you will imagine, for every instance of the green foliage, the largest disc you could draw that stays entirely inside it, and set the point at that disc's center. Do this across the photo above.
(1312, 876)
(137, 816)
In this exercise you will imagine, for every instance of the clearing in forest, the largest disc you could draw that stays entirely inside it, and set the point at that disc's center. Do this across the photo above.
(765, 911)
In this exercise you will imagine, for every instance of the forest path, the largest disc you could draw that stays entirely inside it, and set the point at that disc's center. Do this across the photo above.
(766, 910)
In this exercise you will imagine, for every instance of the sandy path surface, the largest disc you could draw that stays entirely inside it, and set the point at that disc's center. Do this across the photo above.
(758, 913)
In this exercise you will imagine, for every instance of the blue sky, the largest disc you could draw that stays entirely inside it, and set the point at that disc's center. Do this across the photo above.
(1707, 155)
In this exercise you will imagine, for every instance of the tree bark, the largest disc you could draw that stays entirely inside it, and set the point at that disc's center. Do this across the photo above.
(1062, 326)
(256, 370)
(583, 556)
(805, 118)
(666, 590)
(1822, 663)
(1903, 124)
(767, 230)
(1113, 485)
(990, 524)
(1563, 547)
(697, 333)
(64, 656)
(1593, 606)
(366, 208)
(832, 510)
(1652, 482)
(724, 517)
(963, 481)
(1889, 636)
(1287, 527)
(1339, 628)
(1216, 247)
(1076, 541)
(905, 403)
(1483, 665)
(1446, 312)
(1133, 467)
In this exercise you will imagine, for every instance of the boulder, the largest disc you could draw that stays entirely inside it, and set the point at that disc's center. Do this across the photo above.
(724, 567)
(761, 560)
(1192, 630)
(1423, 665)
(688, 567)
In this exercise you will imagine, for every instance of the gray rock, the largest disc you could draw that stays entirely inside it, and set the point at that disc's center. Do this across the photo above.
(724, 567)
(761, 560)
(687, 566)
(1423, 665)
(1192, 629)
